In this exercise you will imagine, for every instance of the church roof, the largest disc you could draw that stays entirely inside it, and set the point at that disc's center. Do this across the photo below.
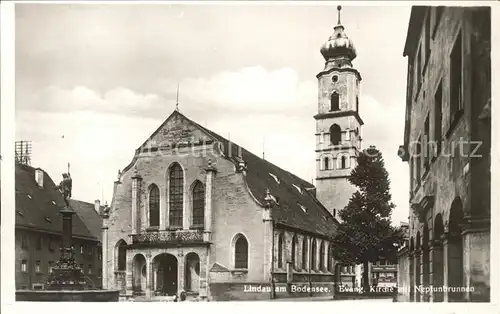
(92, 219)
(38, 208)
(296, 205)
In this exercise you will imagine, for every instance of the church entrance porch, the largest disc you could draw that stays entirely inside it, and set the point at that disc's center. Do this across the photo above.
(165, 272)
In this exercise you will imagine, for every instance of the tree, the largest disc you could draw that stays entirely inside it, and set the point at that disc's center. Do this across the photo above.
(365, 234)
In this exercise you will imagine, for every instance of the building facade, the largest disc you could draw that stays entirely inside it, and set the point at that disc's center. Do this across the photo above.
(38, 231)
(195, 213)
(447, 145)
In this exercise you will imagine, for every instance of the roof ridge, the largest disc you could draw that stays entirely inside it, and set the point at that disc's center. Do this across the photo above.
(229, 141)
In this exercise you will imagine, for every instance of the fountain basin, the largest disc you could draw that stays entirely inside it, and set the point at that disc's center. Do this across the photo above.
(68, 295)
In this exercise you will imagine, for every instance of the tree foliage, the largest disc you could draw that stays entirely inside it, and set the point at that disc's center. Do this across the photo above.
(365, 233)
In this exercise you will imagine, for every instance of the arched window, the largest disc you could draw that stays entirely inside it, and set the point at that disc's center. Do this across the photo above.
(334, 102)
(329, 258)
(327, 163)
(313, 254)
(241, 253)
(176, 191)
(304, 253)
(335, 134)
(198, 204)
(295, 243)
(122, 255)
(154, 206)
(343, 162)
(280, 251)
(322, 256)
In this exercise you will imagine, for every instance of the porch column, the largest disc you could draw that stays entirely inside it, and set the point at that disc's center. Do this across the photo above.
(204, 273)
(136, 186)
(149, 279)
(128, 274)
(476, 250)
(180, 271)
(211, 171)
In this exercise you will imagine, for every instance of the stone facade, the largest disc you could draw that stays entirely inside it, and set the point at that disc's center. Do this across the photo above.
(201, 259)
(448, 104)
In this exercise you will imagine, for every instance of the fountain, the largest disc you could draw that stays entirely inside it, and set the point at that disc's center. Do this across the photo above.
(67, 282)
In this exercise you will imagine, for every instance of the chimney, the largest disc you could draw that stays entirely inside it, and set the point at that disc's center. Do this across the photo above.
(97, 206)
(39, 177)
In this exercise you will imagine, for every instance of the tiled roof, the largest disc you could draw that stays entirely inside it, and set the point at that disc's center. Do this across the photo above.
(89, 216)
(38, 208)
(284, 187)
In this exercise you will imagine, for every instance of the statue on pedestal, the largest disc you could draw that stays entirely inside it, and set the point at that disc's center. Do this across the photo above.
(65, 187)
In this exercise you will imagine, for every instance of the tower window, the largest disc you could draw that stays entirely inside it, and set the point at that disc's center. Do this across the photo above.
(335, 78)
(343, 162)
(327, 163)
(335, 134)
(334, 102)
(357, 104)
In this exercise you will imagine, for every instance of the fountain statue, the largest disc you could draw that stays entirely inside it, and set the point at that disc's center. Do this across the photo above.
(66, 275)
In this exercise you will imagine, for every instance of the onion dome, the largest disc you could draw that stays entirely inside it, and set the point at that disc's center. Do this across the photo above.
(338, 45)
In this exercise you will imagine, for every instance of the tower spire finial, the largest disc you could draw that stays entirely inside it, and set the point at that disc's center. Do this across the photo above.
(177, 99)
(338, 9)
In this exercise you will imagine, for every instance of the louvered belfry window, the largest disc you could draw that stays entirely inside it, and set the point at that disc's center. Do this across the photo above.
(176, 191)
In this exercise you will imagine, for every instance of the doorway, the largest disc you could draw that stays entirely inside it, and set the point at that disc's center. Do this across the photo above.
(166, 274)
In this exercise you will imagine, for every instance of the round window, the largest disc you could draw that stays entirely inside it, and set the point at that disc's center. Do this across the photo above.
(335, 78)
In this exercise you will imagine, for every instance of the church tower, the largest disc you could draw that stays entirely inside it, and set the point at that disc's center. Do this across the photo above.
(338, 121)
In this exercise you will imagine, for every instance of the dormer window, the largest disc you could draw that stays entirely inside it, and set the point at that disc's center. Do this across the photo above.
(20, 213)
(275, 178)
(298, 188)
(47, 219)
(53, 203)
(302, 207)
(29, 196)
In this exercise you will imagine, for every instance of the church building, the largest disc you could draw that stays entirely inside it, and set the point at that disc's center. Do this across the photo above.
(194, 214)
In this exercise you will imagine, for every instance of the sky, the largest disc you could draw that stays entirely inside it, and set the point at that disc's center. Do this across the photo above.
(93, 81)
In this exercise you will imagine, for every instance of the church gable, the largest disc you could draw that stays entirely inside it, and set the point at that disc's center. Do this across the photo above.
(176, 131)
